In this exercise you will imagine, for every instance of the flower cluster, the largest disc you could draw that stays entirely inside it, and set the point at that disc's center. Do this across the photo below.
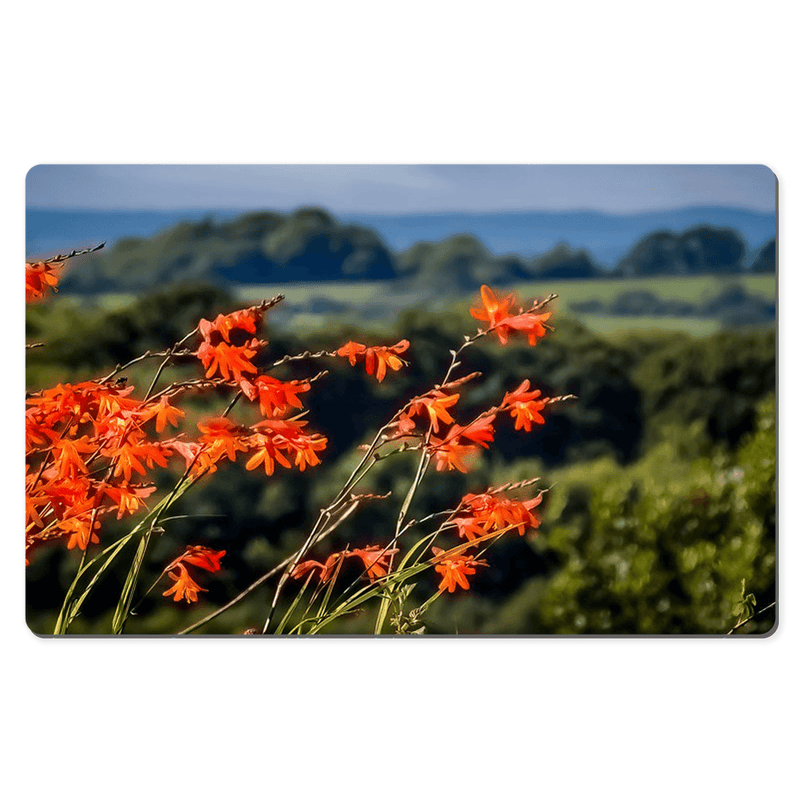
(480, 517)
(91, 446)
(447, 443)
(218, 354)
(449, 449)
(74, 426)
(91, 449)
(482, 514)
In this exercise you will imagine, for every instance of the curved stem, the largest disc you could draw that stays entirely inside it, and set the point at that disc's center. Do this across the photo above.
(751, 617)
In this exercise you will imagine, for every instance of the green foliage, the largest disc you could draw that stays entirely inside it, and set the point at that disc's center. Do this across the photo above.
(663, 474)
(717, 380)
(649, 551)
(745, 606)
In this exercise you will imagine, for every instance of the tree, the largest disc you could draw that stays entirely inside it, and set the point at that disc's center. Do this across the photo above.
(765, 260)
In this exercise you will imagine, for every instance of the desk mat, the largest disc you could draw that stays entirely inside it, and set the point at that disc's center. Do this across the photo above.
(441, 400)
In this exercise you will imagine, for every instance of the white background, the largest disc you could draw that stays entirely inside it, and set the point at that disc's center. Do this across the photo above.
(419, 82)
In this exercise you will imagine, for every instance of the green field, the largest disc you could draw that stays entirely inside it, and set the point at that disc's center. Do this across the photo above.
(680, 288)
(692, 289)
(340, 291)
(360, 295)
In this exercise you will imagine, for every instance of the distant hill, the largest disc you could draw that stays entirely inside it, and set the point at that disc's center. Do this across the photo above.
(608, 237)
(310, 245)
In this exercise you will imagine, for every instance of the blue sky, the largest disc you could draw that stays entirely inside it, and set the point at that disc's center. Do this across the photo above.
(398, 189)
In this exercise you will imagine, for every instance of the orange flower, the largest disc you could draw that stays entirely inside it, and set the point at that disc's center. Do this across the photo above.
(455, 568)
(227, 359)
(164, 413)
(375, 559)
(307, 566)
(480, 431)
(404, 425)
(351, 351)
(378, 358)
(435, 404)
(37, 432)
(277, 397)
(199, 456)
(494, 310)
(184, 586)
(130, 453)
(81, 525)
(497, 313)
(38, 277)
(66, 454)
(450, 455)
(469, 527)
(64, 496)
(32, 517)
(489, 512)
(532, 325)
(246, 320)
(266, 452)
(82, 402)
(274, 438)
(202, 557)
(326, 570)
(127, 499)
(225, 436)
(524, 406)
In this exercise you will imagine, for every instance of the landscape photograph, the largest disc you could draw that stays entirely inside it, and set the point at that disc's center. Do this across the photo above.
(431, 400)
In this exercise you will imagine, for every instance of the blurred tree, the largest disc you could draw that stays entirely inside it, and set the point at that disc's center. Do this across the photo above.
(564, 262)
(702, 249)
(458, 263)
(656, 254)
(717, 380)
(766, 260)
(707, 249)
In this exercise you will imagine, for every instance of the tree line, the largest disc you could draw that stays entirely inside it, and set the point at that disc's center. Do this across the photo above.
(311, 245)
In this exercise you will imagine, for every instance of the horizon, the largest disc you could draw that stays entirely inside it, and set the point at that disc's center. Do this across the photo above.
(442, 212)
